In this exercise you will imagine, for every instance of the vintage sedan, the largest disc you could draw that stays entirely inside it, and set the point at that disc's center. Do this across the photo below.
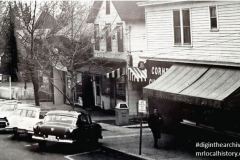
(23, 119)
(67, 127)
(3, 124)
(6, 111)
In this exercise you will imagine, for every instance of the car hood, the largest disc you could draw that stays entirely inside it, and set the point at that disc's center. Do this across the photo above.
(57, 129)
(5, 114)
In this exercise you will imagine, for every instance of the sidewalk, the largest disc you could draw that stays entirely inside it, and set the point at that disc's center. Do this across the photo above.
(126, 141)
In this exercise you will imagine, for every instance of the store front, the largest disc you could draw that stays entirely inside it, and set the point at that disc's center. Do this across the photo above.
(104, 82)
(203, 94)
(155, 69)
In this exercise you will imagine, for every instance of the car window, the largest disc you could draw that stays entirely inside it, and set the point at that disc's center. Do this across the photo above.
(23, 113)
(60, 119)
(84, 119)
(31, 113)
(7, 107)
(18, 112)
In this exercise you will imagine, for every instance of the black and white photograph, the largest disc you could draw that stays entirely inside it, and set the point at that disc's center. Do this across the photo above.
(119, 79)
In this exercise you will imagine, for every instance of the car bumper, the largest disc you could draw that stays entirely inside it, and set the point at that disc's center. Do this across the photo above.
(53, 140)
(24, 131)
(7, 129)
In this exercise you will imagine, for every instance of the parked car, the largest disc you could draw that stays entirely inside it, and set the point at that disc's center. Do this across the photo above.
(23, 119)
(3, 124)
(67, 127)
(7, 109)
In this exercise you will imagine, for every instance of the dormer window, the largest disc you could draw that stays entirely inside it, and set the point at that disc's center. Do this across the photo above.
(107, 7)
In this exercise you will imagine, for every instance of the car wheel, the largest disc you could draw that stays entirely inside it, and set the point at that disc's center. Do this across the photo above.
(29, 136)
(94, 142)
(15, 135)
(42, 145)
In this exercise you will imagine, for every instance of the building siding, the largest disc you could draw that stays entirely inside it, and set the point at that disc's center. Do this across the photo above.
(207, 45)
(113, 18)
(134, 39)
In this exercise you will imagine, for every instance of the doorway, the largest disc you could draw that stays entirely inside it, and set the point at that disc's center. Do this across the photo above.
(98, 91)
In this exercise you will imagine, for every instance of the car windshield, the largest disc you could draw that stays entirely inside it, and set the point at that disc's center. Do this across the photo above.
(7, 107)
(26, 113)
(60, 118)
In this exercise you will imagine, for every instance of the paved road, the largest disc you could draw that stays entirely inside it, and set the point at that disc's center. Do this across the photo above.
(25, 149)
(11, 149)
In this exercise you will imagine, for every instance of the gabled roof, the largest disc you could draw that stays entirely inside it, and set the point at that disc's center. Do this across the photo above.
(127, 10)
(94, 11)
(163, 2)
(45, 21)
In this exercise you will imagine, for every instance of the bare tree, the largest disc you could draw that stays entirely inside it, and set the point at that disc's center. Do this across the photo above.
(30, 37)
(67, 43)
(70, 47)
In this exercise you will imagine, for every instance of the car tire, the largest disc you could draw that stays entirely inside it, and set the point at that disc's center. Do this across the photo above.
(29, 136)
(42, 145)
(94, 142)
(15, 135)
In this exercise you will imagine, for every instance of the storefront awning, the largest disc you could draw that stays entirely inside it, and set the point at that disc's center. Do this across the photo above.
(137, 75)
(117, 73)
(111, 68)
(195, 85)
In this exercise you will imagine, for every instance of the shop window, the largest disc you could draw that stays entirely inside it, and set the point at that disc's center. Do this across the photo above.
(213, 17)
(105, 86)
(108, 38)
(182, 30)
(120, 37)
(121, 90)
(96, 37)
(107, 7)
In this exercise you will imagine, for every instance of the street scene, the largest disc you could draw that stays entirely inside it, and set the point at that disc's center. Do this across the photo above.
(115, 79)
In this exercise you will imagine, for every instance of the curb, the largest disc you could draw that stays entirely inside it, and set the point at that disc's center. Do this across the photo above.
(126, 154)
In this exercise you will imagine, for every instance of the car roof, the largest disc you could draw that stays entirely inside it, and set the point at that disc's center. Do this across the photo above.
(28, 107)
(63, 112)
(10, 102)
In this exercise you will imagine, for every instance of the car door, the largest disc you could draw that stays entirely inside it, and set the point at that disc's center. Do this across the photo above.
(84, 126)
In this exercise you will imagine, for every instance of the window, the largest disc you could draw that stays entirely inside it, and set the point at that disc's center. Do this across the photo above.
(105, 86)
(120, 37)
(96, 37)
(108, 38)
(186, 27)
(177, 27)
(107, 7)
(182, 30)
(121, 90)
(213, 17)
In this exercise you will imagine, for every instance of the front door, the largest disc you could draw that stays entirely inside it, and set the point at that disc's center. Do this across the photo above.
(97, 91)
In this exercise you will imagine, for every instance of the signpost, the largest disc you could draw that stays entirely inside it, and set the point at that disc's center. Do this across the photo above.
(142, 108)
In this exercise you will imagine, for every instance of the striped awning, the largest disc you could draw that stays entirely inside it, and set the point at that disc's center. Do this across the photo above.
(117, 73)
(137, 75)
(111, 68)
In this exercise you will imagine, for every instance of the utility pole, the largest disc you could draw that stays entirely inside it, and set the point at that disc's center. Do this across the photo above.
(10, 87)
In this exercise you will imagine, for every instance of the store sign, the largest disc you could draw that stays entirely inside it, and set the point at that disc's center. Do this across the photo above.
(155, 69)
(142, 106)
